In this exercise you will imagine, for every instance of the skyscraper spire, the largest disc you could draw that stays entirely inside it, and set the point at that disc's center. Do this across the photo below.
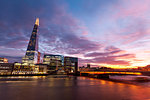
(37, 21)
(33, 43)
(31, 55)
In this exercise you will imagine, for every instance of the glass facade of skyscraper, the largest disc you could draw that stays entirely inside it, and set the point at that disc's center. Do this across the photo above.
(31, 56)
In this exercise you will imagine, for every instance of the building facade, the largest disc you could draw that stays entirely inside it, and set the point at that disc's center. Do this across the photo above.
(6, 68)
(31, 56)
(23, 68)
(40, 58)
(41, 68)
(71, 64)
(3, 60)
(56, 62)
(61, 64)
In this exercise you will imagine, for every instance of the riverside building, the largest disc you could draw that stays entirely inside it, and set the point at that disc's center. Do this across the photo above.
(62, 64)
(6, 68)
(55, 62)
(31, 56)
(71, 64)
(3, 60)
(24, 68)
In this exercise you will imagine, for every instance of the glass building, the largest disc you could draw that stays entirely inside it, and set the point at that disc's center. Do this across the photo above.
(31, 56)
(70, 64)
(61, 64)
(55, 61)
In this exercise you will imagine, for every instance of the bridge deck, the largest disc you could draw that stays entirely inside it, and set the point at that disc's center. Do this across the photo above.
(121, 73)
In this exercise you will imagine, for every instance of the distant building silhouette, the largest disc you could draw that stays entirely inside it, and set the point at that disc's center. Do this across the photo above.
(88, 65)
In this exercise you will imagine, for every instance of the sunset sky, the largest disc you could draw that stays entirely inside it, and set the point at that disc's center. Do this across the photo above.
(113, 33)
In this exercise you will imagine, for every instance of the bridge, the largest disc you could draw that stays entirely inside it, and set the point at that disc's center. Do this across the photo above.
(105, 74)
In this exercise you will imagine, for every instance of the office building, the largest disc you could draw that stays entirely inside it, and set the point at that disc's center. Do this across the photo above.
(31, 56)
(6, 68)
(54, 61)
(71, 64)
(23, 68)
(41, 69)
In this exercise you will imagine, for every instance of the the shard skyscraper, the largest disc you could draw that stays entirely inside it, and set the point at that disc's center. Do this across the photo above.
(31, 56)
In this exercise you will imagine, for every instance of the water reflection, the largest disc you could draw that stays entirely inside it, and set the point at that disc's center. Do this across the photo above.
(70, 88)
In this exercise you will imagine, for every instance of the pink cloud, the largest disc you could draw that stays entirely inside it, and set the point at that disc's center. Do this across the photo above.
(132, 8)
(131, 21)
(85, 33)
(126, 56)
(112, 55)
(105, 60)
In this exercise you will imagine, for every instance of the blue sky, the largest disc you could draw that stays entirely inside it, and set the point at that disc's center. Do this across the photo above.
(100, 32)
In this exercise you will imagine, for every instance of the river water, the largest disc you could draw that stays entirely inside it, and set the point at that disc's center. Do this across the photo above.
(70, 88)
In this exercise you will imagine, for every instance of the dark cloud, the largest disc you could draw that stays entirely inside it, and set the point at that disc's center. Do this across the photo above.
(112, 49)
(110, 60)
(126, 56)
(96, 54)
(112, 55)
(108, 51)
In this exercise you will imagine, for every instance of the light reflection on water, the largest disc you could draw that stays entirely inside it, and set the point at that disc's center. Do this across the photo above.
(132, 79)
(127, 77)
(70, 88)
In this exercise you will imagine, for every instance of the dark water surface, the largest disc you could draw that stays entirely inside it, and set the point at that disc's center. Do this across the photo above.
(69, 88)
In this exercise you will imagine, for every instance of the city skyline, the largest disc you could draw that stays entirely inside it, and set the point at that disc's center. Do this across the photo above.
(111, 33)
